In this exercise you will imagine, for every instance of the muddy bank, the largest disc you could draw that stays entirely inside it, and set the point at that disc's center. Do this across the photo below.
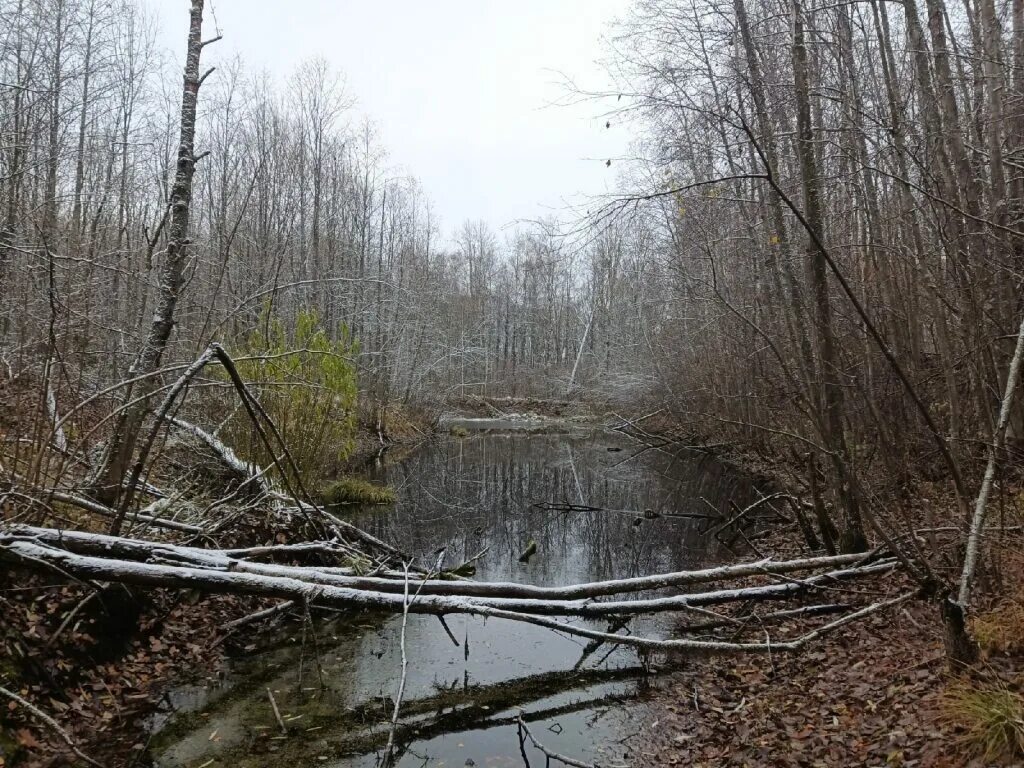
(396, 429)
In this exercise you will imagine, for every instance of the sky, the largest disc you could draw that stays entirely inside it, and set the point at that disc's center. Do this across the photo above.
(462, 91)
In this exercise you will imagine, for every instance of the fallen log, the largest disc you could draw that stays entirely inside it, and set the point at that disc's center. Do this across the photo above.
(141, 550)
(104, 511)
(308, 592)
(186, 563)
(244, 470)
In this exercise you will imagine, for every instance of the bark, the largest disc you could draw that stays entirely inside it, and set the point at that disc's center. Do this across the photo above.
(83, 122)
(141, 550)
(994, 448)
(853, 538)
(122, 442)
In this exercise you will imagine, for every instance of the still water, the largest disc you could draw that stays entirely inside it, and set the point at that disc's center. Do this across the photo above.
(470, 495)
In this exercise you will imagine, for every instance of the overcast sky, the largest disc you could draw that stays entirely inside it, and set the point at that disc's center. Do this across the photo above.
(459, 89)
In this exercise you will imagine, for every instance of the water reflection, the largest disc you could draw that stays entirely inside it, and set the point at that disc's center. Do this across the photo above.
(468, 495)
(479, 491)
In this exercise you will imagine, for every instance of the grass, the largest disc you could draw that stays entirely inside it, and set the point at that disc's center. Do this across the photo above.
(355, 490)
(990, 718)
(1001, 630)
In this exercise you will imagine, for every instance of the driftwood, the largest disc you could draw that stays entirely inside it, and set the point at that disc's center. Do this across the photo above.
(645, 514)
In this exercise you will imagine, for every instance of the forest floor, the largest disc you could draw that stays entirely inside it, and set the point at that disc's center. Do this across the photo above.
(879, 693)
(104, 674)
(103, 692)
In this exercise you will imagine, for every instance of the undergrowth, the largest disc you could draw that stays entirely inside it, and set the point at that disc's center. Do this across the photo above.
(305, 378)
(989, 717)
(1001, 630)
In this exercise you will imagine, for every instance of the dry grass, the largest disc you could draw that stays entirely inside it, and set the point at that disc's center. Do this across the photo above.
(355, 490)
(989, 717)
(1000, 630)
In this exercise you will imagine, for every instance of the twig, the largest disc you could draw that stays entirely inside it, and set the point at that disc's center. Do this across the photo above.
(389, 751)
(565, 760)
(49, 721)
(265, 613)
(69, 618)
(277, 712)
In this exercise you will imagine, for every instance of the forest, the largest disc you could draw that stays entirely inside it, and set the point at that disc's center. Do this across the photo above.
(743, 434)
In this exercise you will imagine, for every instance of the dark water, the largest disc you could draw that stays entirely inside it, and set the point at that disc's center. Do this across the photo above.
(470, 495)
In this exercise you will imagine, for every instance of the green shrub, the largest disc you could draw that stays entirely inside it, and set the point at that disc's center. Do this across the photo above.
(354, 490)
(307, 384)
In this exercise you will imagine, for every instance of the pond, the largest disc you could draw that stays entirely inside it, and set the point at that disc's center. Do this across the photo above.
(467, 682)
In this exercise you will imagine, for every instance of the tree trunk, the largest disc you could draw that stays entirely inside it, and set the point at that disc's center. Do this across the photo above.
(853, 538)
(122, 443)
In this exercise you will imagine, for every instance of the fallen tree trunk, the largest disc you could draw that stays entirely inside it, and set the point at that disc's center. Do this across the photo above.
(244, 471)
(194, 568)
(140, 550)
(104, 511)
(322, 594)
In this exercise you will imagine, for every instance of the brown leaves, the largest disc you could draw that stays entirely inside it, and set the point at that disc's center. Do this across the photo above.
(864, 697)
(26, 739)
(102, 700)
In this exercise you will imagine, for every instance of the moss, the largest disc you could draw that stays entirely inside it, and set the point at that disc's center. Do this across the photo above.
(458, 432)
(354, 490)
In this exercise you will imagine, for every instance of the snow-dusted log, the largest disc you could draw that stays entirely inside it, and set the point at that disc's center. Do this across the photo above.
(104, 511)
(244, 470)
(385, 593)
(136, 549)
(290, 588)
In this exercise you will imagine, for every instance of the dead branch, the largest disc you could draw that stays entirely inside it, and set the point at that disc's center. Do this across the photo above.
(570, 761)
(51, 724)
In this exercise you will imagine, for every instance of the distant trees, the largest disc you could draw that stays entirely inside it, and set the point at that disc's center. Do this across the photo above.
(293, 205)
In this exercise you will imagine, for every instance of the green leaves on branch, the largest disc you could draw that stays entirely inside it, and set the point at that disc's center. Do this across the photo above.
(308, 385)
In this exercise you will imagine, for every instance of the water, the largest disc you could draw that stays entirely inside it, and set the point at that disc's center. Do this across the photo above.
(471, 495)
